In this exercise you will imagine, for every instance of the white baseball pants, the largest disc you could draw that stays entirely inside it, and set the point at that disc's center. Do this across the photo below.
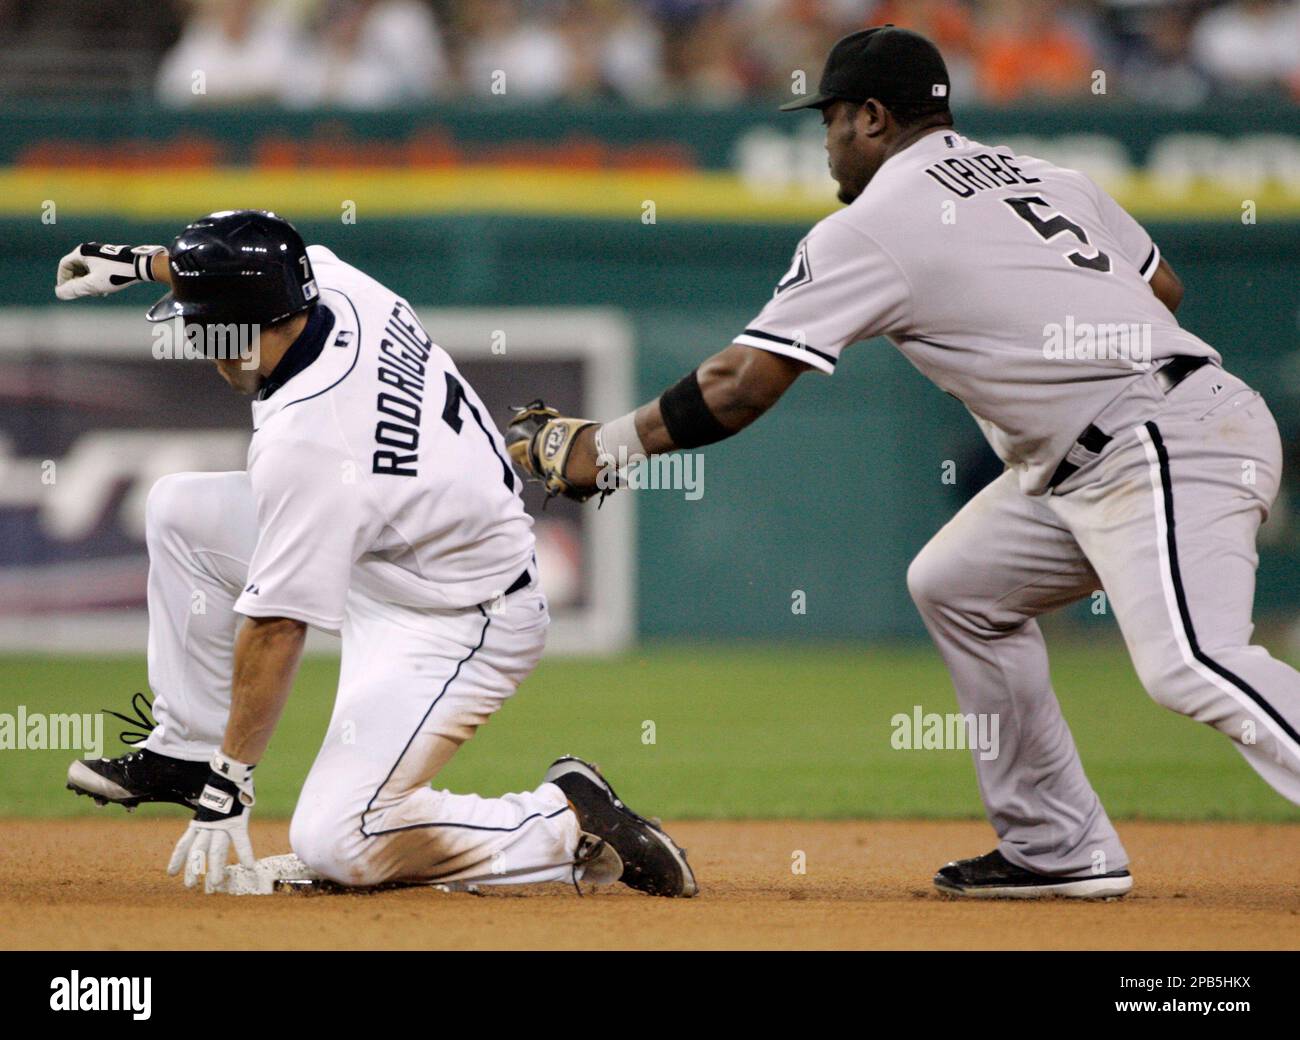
(414, 685)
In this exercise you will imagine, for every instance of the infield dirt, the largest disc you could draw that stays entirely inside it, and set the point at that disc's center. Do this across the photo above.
(100, 884)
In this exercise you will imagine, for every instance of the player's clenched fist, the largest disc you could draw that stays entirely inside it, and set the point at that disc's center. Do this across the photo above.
(96, 269)
(541, 440)
(221, 820)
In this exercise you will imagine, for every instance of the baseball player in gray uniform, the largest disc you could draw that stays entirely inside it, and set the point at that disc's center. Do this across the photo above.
(1134, 461)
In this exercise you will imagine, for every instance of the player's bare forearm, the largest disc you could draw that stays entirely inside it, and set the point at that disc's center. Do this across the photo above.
(160, 269)
(267, 654)
(738, 385)
(1167, 286)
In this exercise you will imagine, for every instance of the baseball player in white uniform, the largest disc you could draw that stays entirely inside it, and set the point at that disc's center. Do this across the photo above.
(1134, 461)
(379, 504)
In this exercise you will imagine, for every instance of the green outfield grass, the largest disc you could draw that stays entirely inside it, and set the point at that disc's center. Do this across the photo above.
(741, 731)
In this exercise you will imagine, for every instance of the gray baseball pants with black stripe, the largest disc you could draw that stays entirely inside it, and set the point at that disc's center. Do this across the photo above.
(1164, 519)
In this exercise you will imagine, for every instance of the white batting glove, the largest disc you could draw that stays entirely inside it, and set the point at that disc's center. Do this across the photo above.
(221, 820)
(95, 269)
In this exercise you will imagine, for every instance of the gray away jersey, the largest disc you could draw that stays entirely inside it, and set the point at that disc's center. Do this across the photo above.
(1017, 286)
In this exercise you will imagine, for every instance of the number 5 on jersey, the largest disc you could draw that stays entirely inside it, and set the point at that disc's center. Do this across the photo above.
(1055, 225)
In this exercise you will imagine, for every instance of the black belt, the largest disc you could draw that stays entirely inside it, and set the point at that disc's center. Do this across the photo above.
(1093, 440)
(521, 582)
(1169, 376)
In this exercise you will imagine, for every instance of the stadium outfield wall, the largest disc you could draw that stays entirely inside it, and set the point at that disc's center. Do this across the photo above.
(834, 492)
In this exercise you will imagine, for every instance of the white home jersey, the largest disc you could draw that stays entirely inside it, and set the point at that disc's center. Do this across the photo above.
(1017, 286)
(378, 468)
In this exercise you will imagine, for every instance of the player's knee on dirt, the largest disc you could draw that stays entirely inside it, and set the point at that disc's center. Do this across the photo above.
(331, 843)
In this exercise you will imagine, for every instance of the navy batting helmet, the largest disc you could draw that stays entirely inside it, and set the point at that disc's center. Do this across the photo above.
(243, 266)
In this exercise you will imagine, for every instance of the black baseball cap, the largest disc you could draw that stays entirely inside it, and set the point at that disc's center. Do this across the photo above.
(889, 64)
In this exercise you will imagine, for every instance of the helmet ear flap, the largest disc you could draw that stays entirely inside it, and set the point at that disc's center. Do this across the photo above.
(310, 291)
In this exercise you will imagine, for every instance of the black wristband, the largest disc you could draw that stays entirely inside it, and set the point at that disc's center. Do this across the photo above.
(687, 418)
(219, 799)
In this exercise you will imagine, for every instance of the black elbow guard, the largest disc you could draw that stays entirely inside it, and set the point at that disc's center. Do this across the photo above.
(687, 418)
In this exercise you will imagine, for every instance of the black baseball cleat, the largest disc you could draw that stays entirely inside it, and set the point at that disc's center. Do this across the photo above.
(993, 876)
(140, 776)
(652, 862)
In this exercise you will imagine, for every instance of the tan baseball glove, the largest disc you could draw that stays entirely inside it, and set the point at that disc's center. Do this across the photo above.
(539, 440)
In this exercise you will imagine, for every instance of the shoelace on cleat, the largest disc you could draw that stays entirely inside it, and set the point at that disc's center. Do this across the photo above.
(588, 849)
(143, 708)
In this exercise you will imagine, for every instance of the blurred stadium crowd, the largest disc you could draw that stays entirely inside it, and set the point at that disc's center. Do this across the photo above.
(374, 54)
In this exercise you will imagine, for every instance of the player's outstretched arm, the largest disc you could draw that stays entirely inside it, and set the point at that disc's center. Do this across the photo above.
(96, 269)
(720, 398)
